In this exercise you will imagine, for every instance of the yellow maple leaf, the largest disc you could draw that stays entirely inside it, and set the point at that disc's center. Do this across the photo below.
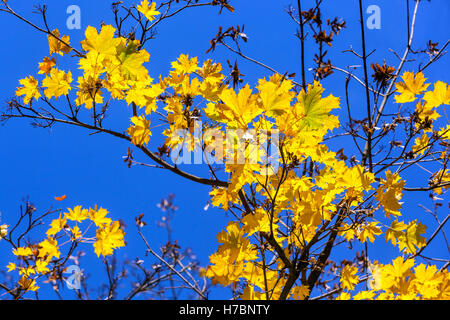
(103, 43)
(421, 145)
(427, 280)
(57, 225)
(257, 222)
(77, 214)
(364, 295)
(11, 266)
(399, 269)
(185, 65)
(413, 239)
(148, 10)
(313, 109)
(439, 96)
(98, 216)
(274, 99)
(42, 266)
(368, 232)
(29, 90)
(108, 238)
(211, 72)
(395, 231)
(57, 84)
(76, 233)
(23, 251)
(139, 132)
(412, 85)
(56, 45)
(300, 292)
(250, 294)
(238, 110)
(348, 277)
(389, 193)
(49, 249)
(130, 60)
(89, 92)
(426, 110)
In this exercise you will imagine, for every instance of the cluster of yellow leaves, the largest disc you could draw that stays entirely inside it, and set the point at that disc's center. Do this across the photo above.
(273, 109)
(401, 280)
(390, 193)
(235, 260)
(39, 259)
(408, 237)
(414, 85)
(442, 176)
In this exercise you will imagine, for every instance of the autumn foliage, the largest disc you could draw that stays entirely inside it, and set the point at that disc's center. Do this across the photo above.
(290, 208)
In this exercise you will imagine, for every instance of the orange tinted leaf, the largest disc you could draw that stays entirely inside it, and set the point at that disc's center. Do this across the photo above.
(63, 197)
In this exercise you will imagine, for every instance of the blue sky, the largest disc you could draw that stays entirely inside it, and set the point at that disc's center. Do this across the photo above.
(44, 163)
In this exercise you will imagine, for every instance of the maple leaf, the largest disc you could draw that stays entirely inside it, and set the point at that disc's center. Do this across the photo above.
(57, 225)
(348, 277)
(140, 133)
(77, 214)
(313, 107)
(108, 238)
(395, 231)
(239, 109)
(211, 72)
(76, 233)
(420, 145)
(427, 281)
(57, 46)
(300, 292)
(185, 65)
(103, 43)
(413, 239)
(23, 251)
(400, 268)
(57, 84)
(389, 193)
(257, 222)
(439, 96)
(364, 295)
(28, 284)
(426, 111)
(29, 90)
(99, 216)
(412, 85)
(249, 294)
(46, 65)
(11, 266)
(348, 232)
(274, 99)
(369, 231)
(221, 198)
(89, 92)
(63, 197)
(49, 249)
(148, 10)
(131, 60)
(42, 267)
